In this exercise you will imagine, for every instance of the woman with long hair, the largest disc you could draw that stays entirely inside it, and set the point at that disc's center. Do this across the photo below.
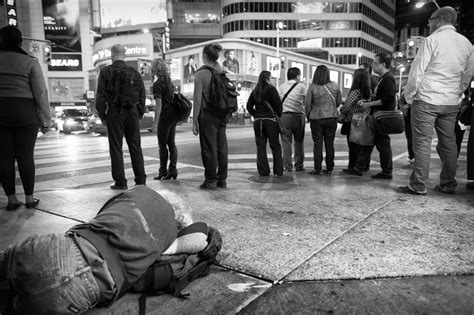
(263, 104)
(24, 107)
(163, 94)
(208, 123)
(360, 90)
(321, 102)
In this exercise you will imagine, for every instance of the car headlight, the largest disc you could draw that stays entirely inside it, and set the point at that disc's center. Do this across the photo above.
(69, 121)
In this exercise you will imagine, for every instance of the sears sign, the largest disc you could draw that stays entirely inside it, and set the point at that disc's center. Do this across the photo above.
(65, 62)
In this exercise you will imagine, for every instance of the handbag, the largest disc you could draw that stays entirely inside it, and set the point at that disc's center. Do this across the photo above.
(362, 129)
(389, 122)
(345, 128)
(465, 112)
(280, 125)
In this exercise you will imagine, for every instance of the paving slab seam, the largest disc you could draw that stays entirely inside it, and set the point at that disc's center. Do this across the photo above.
(60, 215)
(336, 238)
(448, 274)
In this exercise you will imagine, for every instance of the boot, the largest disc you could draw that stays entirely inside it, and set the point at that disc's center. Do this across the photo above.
(172, 173)
(161, 173)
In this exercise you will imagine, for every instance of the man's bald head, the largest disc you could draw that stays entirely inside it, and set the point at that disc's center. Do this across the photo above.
(442, 16)
(118, 52)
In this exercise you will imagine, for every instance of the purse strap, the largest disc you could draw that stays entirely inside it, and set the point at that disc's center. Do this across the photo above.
(330, 94)
(269, 106)
(287, 93)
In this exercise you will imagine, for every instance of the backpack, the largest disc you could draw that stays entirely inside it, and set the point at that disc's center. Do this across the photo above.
(182, 106)
(170, 274)
(223, 93)
(127, 84)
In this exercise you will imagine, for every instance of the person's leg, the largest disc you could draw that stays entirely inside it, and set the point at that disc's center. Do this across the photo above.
(383, 145)
(222, 151)
(115, 134)
(423, 117)
(208, 142)
(298, 133)
(7, 163)
(317, 135)
(470, 156)
(329, 132)
(446, 147)
(163, 136)
(408, 135)
(354, 149)
(274, 141)
(261, 142)
(173, 150)
(25, 139)
(286, 138)
(132, 136)
(50, 275)
(459, 136)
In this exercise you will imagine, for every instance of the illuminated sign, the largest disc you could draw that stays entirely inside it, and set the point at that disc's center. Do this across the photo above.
(133, 50)
(117, 14)
(66, 62)
(12, 18)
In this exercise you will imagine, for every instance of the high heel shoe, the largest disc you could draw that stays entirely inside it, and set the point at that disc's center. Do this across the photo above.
(160, 175)
(34, 203)
(171, 175)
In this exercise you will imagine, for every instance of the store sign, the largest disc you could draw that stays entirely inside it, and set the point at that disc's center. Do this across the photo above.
(133, 50)
(77, 103)
(12, 18)
(66, 62)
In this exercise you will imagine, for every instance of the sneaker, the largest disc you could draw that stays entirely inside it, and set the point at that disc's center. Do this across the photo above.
(407, 190)
(222, 183)
(382, 176)
(445, 190)
(352, 171)
(208, 185)
(116, 186)
(300, 169)
(470, 185)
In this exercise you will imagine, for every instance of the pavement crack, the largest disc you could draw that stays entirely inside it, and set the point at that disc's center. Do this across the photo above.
(336, 238)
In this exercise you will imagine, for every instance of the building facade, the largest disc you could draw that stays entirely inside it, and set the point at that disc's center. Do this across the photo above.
(348, 31)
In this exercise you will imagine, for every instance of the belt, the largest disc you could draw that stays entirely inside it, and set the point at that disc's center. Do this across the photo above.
(293, 113)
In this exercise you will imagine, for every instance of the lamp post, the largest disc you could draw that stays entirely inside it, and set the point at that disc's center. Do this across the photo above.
(278, 26)
(401, 69)
(421, 3)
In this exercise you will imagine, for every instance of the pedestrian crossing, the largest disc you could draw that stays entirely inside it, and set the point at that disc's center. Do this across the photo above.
(68, 163)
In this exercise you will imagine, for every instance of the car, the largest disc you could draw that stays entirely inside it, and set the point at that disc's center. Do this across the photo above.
(72, 119)
(94, 124)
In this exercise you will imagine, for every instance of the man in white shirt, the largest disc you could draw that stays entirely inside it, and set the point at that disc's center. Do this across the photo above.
(293, 118)
(437, 79)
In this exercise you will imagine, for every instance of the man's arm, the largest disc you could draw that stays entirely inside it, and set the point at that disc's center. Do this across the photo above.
(101, 101)
(417, 70)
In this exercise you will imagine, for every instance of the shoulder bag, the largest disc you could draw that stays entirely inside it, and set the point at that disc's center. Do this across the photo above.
(362, 129)
(280, 124)
(389, 122)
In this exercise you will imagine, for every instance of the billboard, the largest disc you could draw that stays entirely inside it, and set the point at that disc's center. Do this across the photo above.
(125, 14)
(61, 25)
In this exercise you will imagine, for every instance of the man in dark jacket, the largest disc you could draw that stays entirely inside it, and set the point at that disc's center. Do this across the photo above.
(121, 105)
(93, 263)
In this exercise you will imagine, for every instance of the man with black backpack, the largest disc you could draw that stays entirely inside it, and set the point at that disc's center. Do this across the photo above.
(121, 105)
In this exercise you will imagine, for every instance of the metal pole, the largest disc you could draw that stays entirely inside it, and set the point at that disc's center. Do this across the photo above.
(400, 82)
(278, 55)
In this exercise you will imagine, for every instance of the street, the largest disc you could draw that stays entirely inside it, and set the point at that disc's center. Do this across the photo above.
(81, 159)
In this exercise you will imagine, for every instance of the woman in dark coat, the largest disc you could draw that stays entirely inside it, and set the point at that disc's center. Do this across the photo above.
(163, 94)
(263, 104)
(24, 107)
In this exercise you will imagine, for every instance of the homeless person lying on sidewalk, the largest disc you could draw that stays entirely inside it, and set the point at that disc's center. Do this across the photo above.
(95, 263)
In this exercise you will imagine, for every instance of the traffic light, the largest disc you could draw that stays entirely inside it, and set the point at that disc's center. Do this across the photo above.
(143, 68)
(413, 44)
(47, 54)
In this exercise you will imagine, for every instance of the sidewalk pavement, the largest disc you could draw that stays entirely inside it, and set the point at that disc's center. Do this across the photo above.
(314, 245)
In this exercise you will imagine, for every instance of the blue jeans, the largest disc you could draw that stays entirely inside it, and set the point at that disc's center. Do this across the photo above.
(49, 276)
(213, 141)
(424, 117)
(323, 130)
(267, 129)
(294, 128)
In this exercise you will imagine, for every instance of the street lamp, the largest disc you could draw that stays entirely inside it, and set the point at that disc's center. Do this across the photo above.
(421, 3)
(401, 69)
(279, 26)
